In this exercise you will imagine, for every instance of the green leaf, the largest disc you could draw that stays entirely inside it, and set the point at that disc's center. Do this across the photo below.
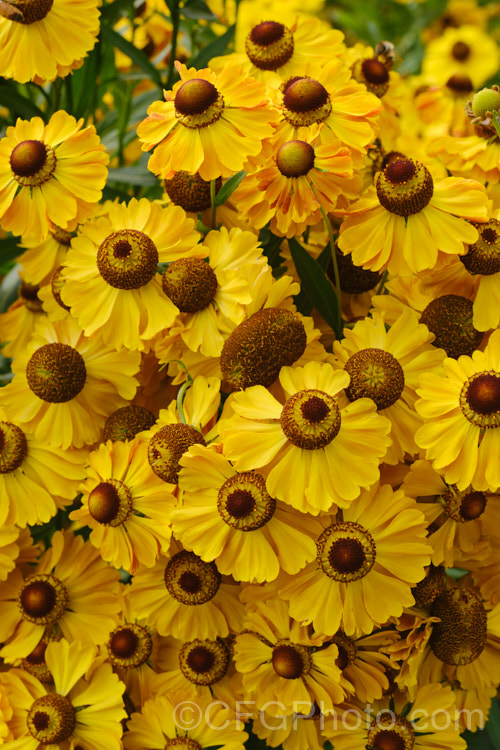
(215, 49)
(9, 250)
(228, 188)
(493, 725)
(132, 176)
(136, 55)
(111, 12)
(196, 9)
(314, 283)
(17, 104)
(9, 287)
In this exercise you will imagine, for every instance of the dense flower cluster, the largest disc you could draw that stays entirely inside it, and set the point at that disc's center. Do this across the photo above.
(249, 453)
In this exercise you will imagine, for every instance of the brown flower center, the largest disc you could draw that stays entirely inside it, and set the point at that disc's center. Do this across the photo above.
(405, 187)
(269, 45)
(127, 259)
(244, 503)
(399, 734)
(291, 660)
(204, 662)
(191, 581)
(460, 636)
(310, 419)
(460, 84)
(190, 283)
(28, 294)
(460, 51)
(373, 74)
(51, 719)
(125, 423)
(110, 503)
(57, 282)
(190, 191)
(56, 373)
(295, 158)
(484, 256)
(32, 163)
(13, 447)
(430, 587)
(168, 445)
(43, 599)
(305, 102)
(198, 103)
(345, 551)
(375, 374)
(353, 279)
(449, 318)
(480, 399)
(129, 645)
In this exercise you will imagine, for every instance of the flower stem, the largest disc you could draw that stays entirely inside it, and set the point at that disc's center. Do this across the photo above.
(339, 322)
(381, 286)
(175, 17)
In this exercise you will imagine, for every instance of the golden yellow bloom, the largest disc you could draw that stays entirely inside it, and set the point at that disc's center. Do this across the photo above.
(49, 173)
(461, 412)
(111, 280)
(40, 259)
(231, 518)
(379, 546)
(281, 664)
(71, 592)
(84, 706)
(66, 385)
(44, 39)
(466, 50)
(126, 505)
(210, 123)
(18, 323)
(407, 218)
(316, 450)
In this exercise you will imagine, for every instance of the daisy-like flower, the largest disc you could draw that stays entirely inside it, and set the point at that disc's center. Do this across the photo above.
(211, 292)
(407, 218)
(18, 323)
(172, 435)
(44, 39)
(461, 412)
(210, 123)
(130, 649)
(49, 173)
(332, 106)
(182, 594)
(385, 365)
(282, 666)
(83, 707)
(111, 282)
(364, 666)
(35, 478)
(162, 726)
(275, 51)
(402, 723)
(458, 520)
(466, 50)
(315, 450)
(379, 546)
(300, 182)
(232, 519)
(201, 667)
(9, 549)
(126, 505)
(71, 592)
(292, 732)
(482, 262)
(66, 385)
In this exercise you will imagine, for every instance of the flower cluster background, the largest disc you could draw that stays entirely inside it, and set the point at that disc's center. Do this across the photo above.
(249, 375)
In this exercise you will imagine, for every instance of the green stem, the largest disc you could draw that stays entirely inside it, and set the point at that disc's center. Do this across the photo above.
(340, 325)
(69, 93)
(381, 286)
(212, 203)
(175, 14)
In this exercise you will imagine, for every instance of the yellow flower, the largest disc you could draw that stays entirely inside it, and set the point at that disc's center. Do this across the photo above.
(71, 592)
(182, 594)
(230, 518)
(44, 39)
(282, 666)
(18, 323)
(84, 706)
(35, 478)
(315, 450)
(40, 259)
(385, 365)
(111, 281)
(407, 218)
(66, 385)
(126, 506)
(466, 50)
(160, 726)
(49, 173)
(210, 123)
(379, 546)
(461, 412)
